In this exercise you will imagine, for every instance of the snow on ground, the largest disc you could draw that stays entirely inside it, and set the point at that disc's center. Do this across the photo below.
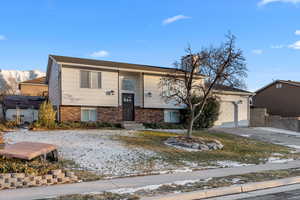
(93, 150)
(229, 163)
(277, 130)
(279, 160)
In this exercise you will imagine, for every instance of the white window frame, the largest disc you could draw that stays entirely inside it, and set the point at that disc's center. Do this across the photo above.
(91, 79)
(278, 85)
(88, 109)
(168, 116)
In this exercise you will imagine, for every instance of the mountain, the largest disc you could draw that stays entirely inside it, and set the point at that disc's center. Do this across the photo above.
(11, 78)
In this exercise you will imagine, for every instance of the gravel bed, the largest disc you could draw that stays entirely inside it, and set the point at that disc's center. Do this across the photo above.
(93, 150)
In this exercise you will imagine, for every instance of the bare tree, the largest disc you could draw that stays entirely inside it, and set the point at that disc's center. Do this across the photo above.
(223, 65)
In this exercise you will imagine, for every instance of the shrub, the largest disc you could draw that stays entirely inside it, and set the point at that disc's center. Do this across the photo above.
(209, 115)
(46, 115)
(1, 138)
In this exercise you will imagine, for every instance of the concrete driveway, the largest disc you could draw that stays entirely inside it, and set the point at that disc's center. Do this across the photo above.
(272, 135)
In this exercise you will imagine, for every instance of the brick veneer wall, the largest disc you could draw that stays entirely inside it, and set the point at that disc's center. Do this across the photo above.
(113, 114)
(149, 115)
(70, 113)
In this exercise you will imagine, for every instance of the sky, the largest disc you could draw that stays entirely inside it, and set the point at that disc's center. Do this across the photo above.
(152, 32)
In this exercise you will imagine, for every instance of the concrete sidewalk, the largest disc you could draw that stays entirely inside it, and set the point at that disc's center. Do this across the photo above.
(132, 182)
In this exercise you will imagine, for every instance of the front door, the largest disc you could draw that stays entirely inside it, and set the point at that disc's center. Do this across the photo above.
(128, 106)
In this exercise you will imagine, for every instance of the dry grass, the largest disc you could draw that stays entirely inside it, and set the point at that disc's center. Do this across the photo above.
(236, 148)
(104, 196)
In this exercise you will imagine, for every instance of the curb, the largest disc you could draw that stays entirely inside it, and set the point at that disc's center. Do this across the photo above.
(234, 189)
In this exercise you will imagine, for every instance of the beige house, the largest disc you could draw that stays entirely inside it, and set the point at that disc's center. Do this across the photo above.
(34, 87)
(96, 90)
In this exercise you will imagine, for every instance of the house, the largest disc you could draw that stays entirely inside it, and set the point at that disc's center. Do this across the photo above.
(34, 87)
(21, 108)
(96, 90)
(280, 97)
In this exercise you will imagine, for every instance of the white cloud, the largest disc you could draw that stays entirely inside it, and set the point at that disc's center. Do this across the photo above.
(279, 46)
(257, 51)
(174, 19)
(265, 2)
(2, 37)
(295, 46)
(101, 53)
(297, 32)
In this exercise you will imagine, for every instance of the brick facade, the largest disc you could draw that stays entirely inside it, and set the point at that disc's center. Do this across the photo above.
(70, 113)
(149, 115)
(113, 114)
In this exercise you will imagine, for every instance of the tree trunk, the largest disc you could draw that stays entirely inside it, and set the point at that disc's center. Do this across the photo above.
(191, 124)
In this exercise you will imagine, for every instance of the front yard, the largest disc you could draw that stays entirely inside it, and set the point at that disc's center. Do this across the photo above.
(112, 153)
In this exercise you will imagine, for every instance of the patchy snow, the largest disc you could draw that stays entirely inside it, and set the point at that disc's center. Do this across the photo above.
(155, 187)
(246, 136)
(279, 160)
(229, 163)
(293, 146)
(182, 148)
(94, 150)
(277, 130)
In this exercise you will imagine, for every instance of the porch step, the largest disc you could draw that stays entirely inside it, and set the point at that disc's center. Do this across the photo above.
(129, 125)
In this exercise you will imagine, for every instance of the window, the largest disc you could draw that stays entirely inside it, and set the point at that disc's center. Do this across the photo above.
(89, 79)
(172, 116)
(128, 84)
(278, 85)
(88, 114)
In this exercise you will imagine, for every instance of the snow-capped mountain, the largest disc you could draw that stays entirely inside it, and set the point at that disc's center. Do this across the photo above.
(13, 77)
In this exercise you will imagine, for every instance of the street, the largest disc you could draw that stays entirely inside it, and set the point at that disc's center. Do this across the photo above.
(288, 195)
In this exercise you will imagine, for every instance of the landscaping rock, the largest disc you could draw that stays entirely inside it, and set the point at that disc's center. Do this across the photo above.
(195, 143)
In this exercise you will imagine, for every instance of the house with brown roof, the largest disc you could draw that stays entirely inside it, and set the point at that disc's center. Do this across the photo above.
(280, 97)
(34, 87)
(96, 90)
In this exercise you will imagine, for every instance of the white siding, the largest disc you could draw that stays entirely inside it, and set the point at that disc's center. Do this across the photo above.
(151, 84)
(72, 94)
(227, 111)
(54, 82)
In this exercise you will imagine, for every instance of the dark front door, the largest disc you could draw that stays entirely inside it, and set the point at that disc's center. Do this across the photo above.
(128, 107)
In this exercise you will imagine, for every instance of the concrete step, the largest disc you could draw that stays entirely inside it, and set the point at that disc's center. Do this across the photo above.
(131, 125)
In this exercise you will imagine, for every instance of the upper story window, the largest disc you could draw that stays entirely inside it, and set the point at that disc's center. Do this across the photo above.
(128, 84)
(278, 85)
(90, 79)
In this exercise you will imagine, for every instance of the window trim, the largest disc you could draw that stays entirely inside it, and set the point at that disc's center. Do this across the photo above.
(99, 76)
(167, 112)
(88, 109)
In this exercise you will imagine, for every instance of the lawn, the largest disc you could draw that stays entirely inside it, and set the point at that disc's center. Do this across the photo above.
(236, 148)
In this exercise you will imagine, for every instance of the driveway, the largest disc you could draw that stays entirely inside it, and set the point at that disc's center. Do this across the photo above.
(272, 135)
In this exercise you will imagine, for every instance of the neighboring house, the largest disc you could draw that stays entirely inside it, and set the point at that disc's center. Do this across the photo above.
(22, 108)
(34, 87)
(279, 98)
(95, 90)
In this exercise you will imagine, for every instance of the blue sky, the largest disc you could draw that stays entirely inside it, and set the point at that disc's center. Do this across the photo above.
(152, 32)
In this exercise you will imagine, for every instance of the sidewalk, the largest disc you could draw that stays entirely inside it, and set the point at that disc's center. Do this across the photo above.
(131, 182)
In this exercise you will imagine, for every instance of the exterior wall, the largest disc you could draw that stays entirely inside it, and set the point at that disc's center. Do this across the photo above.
(70, 113)
(54, 85)
(227, 111)
(34, 89)
(151, 84)
(72, 94)
(279, 101)
(27, 115)
(138, 92)
(113, 114)
(258, 117)
(148, 115)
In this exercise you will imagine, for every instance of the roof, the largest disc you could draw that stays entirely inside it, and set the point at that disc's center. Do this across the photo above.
(294, 83)
(40, 80)
(117, 65)
(229, 89)
(23, 102)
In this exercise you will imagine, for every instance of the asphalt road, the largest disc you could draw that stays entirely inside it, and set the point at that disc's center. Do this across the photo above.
(288, 195)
